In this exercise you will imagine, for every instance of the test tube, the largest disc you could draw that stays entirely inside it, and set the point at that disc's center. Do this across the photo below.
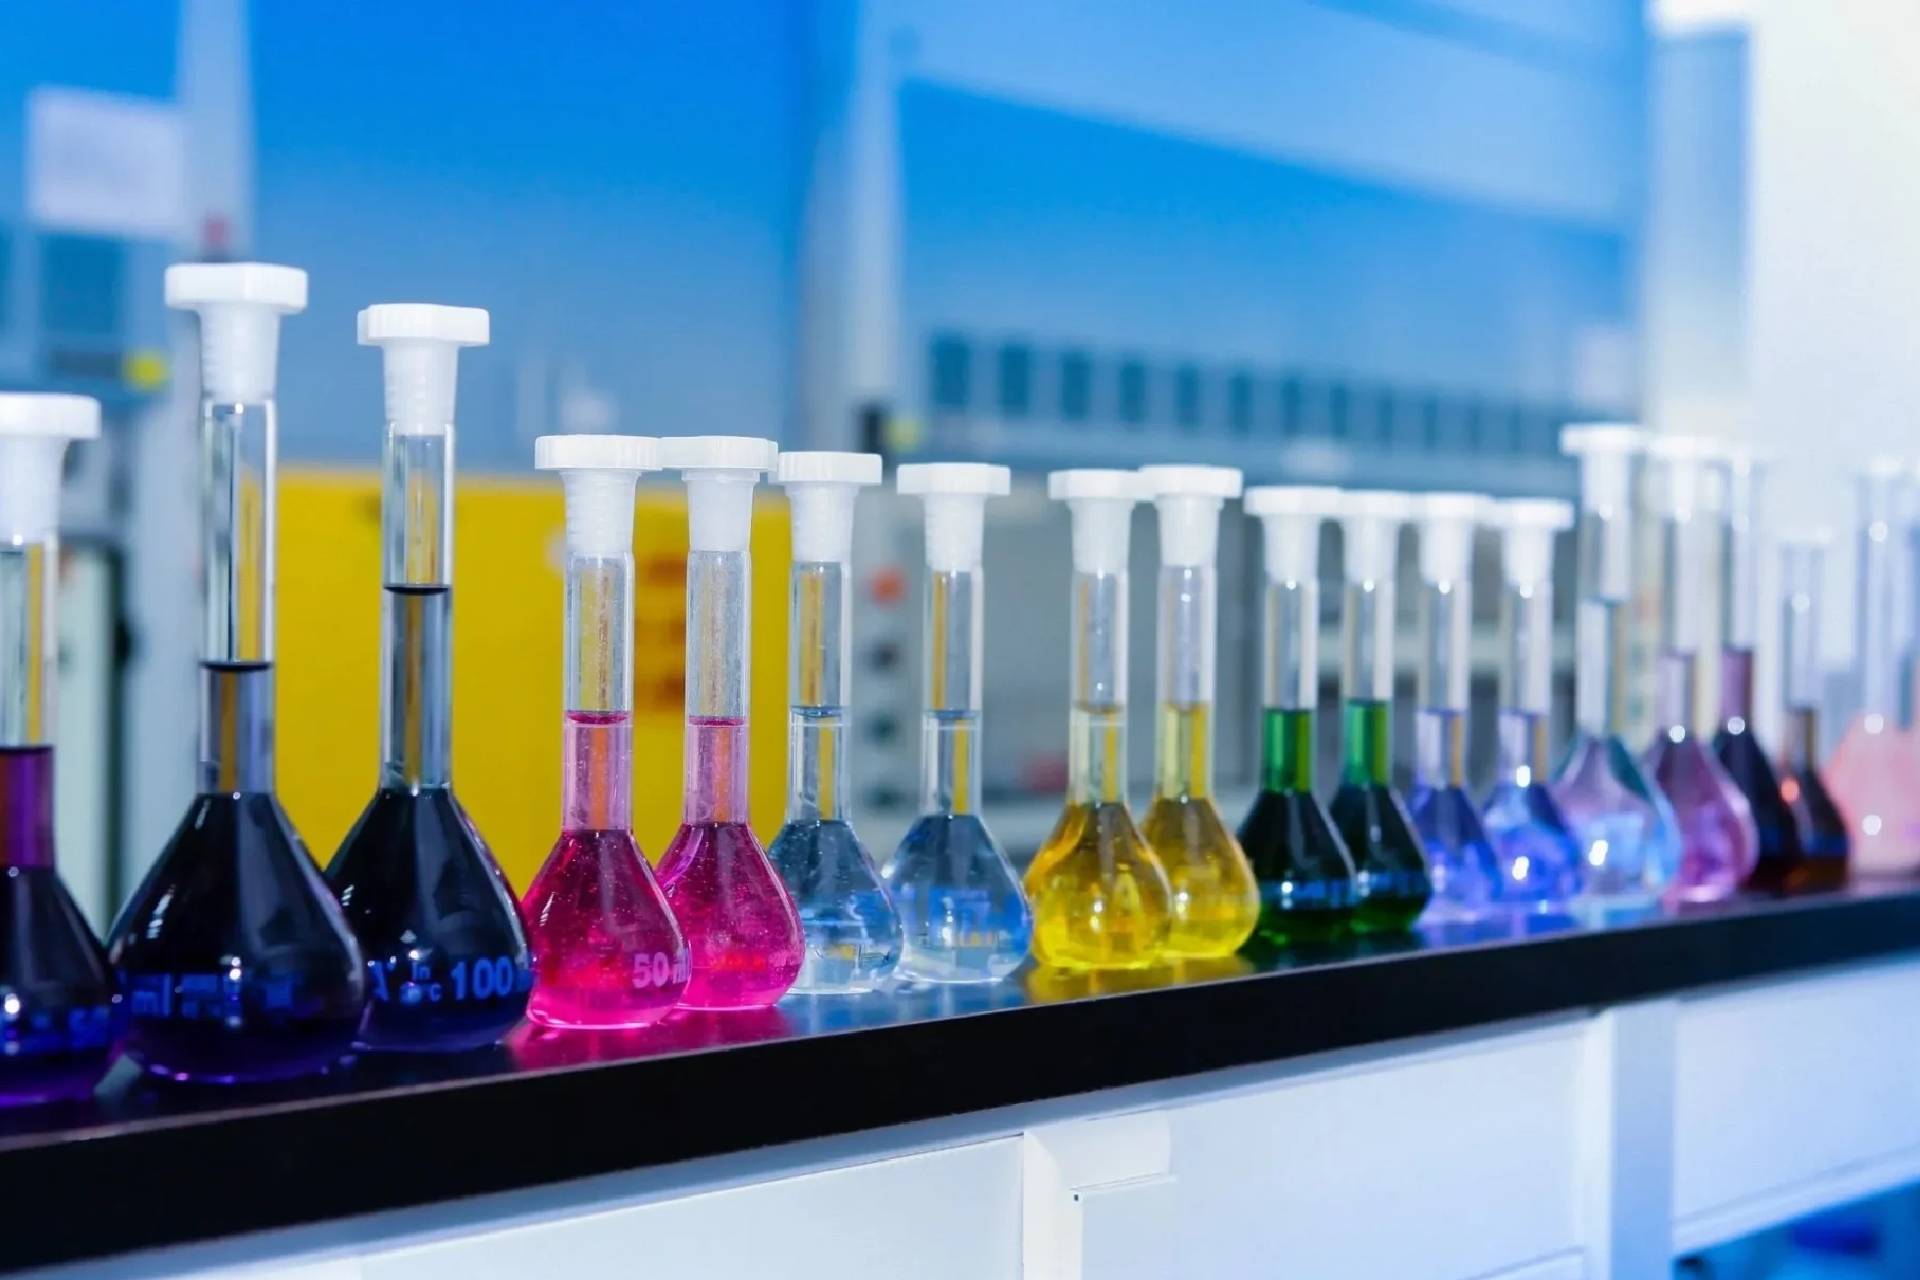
(225, 985)
(1390, 866)
(607, 951)
(964, 917)
(1539, 856)
(852, 931)
(1099, 894)
(1303, 868)
(1823, 830)
(447, 957)
(1215, 900)
(61, 1014)
(1460, 859)
(741, 927)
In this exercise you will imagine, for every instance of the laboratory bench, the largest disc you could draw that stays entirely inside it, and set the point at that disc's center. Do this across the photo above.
(1529, 1098)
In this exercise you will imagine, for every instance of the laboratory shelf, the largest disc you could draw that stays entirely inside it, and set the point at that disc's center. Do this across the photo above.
(170, 1164)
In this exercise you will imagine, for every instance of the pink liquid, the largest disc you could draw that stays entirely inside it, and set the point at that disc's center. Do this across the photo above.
(607, 952)
(1874, 777)
(740, 924)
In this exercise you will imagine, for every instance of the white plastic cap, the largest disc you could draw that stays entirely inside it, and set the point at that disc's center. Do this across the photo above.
(240, 305)
(821, 488)
(1606, 451)
(420, 350)
(1371, 520)
(1188, 499)
(1102, 505)
(1290, 519)
(1527, 526)
(1687, 466)
(597, 475)
(956, 495)
(1447, 522)
(720, 472)
(34, 431)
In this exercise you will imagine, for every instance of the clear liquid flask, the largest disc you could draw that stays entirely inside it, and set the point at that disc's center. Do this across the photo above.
(962, 914)
(1629, 842)
(1100, 897)
(1823, 832)
(1215, 899)
(607, 951)
(1300, 864)
(743, 933)
(448, 965)
(60, 1014)
(852, 932)
(1718, 844)
(237, 962)
(1389, 859)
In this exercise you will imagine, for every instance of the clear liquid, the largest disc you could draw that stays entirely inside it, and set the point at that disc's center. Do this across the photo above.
(962, 915)
(1629, 845)
(852, 934)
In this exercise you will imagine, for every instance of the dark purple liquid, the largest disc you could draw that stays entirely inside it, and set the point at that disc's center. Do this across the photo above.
(1782, 850)
(26, 806)
(61, 1019)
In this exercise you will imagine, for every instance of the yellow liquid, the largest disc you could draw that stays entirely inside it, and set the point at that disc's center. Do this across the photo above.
(1100, 900)
(1216, 901)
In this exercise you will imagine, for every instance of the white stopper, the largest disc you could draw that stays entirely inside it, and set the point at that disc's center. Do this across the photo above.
(1447, 522)
(720, 472)
(821, 489)
(1101, 502)
(240, 305)
(1606, 451)
(420, 351)
(1290, 519)
(1687, 469)
(956, 496)
(597, 475)
(1527, 526)
(34, 431)
(1188, 499)
(1371, 520)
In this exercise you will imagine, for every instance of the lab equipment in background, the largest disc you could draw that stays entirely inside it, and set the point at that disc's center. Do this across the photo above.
(1822, 830)
(1460, 860)
(1305, 874)
(963, 916)
(59, 1009)
(742, 932)
(1390, 866)
(1215, 899)
(1873, 772)
(1779, 852)
(607, 951)
(1100, 895)
(1629, 843)
(448, 967)
(236, 960)
(1718, 846)
(1540, 859)
(852, 932)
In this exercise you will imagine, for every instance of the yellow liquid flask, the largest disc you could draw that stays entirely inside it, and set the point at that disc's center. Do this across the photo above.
(1100, 898)
(1215, 898)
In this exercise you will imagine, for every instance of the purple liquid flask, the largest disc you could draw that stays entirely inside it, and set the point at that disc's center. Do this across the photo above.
(743, 932)
(59, 1007)
(607, 951)
(1823, 831)
(237, 962)
(447, 961)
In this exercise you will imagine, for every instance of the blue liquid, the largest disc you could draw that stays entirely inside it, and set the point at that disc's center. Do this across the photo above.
(61, 1018)
(1460, 862)
(1628, 838)
(1539, 857)
(961, 911)
(852, 934)
(448, 967)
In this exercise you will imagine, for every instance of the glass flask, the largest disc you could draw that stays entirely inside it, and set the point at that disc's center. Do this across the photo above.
(852, 931)
(1304, 872)
(1629, 843)
(448, 967)
(1718, 844)
(1389, 861)
(1215, 899)
(1100, 896)
(1823, 831)
(1460, 859)
(1871, 773)
(1539, 857)
(59, 1008)
(236, 960)
(607, 951)
(742, 931)
(963, 916)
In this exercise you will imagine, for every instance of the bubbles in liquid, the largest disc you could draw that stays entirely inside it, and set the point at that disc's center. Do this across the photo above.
(962, 915)
(852, 934)
(607, 953)
(743, 936)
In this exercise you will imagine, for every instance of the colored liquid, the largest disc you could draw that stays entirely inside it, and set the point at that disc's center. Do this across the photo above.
(1461, 864)
(26, 806)
(1100, 900)
(1215, 901)
(1825, 838)
(1718, 847)
(1776, 826)
(962, 916)
(852, 934)
(448, 966)
(1389, 862)
(1872, 779)
(1300, 863)
(1629, 846)
(1538, 855)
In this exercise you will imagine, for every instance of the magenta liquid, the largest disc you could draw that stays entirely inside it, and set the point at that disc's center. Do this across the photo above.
(607, 952)
(741, 927)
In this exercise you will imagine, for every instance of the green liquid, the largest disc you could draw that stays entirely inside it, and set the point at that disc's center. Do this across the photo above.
(1306, 878)
(1389, 862)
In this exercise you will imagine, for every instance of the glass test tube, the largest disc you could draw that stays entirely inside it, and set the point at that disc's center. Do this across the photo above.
(1447, 526)
(1883, 491)
(597, 474)
(1526, 635)
(1803, 566)
(1371, 523)
(1687, 526)
(953, 629)
(820, 651)
(1609, 455)
(1740, 582)
(1290, 630)
(1097, 667)
(1188, 501)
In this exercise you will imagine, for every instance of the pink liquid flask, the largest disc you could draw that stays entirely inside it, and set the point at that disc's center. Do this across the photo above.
(607, 952)
(742, 930)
